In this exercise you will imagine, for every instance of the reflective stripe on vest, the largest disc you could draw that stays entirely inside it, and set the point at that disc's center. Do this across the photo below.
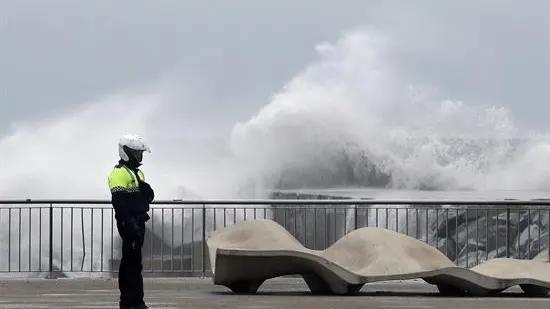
(134, 184)
(134, 181)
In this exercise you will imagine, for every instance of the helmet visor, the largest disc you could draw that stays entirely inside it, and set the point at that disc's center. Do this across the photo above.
(137, 154)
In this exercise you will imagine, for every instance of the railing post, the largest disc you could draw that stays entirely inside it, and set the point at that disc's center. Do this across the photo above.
(355, 216)
(50, 236)
(508, 231)
(204, 240)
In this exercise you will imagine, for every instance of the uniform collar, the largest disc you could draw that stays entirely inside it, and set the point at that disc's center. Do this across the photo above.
(131, 165)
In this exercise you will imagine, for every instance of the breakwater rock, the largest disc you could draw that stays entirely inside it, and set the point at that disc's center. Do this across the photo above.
(468, 235)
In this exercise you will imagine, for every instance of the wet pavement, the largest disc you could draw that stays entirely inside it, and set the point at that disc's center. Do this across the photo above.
(275, 293)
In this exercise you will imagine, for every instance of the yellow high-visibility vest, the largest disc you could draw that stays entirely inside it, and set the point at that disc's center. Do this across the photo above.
(124, 179)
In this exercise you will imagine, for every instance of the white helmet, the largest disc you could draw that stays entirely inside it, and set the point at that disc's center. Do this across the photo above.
(131, 142)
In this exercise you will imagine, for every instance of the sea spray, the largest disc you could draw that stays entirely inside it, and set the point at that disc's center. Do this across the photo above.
(349, 119)
(64, 158)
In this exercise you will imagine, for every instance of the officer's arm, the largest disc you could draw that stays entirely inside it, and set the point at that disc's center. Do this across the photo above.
(121, 204)
(119, 195)
(148, 192)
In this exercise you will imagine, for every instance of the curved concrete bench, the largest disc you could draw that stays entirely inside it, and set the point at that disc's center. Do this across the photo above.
(244, 255)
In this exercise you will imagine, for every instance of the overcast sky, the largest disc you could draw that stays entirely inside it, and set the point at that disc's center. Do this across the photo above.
(231, 56)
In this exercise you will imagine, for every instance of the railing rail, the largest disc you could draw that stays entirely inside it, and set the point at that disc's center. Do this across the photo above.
(467, 231)
(431, 202)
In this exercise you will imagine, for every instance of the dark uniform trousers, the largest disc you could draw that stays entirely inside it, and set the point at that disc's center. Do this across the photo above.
(130, 280)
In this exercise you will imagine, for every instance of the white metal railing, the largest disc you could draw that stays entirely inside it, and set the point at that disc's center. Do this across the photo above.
(79, 236)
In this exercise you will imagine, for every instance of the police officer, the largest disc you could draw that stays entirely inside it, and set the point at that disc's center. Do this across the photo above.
(130, 196)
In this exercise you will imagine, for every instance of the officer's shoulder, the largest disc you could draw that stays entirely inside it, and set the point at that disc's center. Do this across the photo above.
(141, 174)
(117, 169)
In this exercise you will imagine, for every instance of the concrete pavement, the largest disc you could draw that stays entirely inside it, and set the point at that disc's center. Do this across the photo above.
(275, 293)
